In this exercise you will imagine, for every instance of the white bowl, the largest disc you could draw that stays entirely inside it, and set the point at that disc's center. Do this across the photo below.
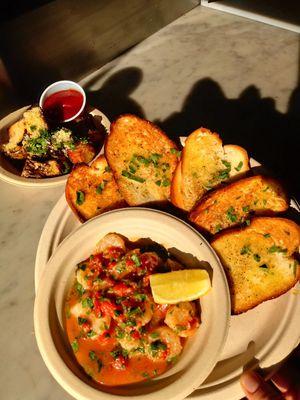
(8, 170)
(63, 85)
(201, 351)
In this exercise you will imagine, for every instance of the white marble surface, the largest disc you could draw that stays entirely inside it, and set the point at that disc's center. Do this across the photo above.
(232, 51)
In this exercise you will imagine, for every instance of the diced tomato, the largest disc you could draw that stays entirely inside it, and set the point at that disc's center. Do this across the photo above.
(149, 262)
(96, 262)
(129, 263)
(109, 308)
(135, 334)
(86, 327)
(120, 362)
(113, 253)
(121, 289)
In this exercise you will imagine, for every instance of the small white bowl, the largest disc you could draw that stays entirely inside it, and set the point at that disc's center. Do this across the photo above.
(200, 353)
(63, 85)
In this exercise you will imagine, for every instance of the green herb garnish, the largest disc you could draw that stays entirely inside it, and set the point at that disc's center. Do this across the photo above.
(80, 197)
(79, 288)
(256, 257)
(87, 302)
(129, 175)
(175, 151)
(245, 250)
(75, 346)
(82, 321)
(239, 166)
(276, 249)
(158, 183)
(92, 355)
(101, 187)
(246, 209)
(135, 258)
(231, 215)
(267, 235)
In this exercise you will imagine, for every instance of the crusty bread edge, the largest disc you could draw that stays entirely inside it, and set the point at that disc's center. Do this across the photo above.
(233, 184)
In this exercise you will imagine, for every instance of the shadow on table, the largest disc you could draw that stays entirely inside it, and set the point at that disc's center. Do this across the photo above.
(251, 121)
(113, 98)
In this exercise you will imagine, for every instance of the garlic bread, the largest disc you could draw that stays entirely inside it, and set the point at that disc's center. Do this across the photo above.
(92, 190)
(142, 159)
(233, 204)
(259, 260)
(204, 164)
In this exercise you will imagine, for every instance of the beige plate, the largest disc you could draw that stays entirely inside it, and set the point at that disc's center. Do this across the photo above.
(9, 173)
(268, 341)
(200, 353)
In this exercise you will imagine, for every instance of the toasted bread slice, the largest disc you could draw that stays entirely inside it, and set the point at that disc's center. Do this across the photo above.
(13, 147)
(142, 159)
(92, 190)
(204, 164)
(34, 121)
(259, 260)
(232, 205)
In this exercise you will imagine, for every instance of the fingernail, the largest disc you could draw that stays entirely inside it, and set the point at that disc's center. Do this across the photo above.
(250, 381)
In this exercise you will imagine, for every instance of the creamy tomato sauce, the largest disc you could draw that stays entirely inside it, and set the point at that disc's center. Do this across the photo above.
(117, 333)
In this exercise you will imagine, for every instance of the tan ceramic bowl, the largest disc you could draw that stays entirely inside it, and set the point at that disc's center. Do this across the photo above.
(9, 172)
(201, 352)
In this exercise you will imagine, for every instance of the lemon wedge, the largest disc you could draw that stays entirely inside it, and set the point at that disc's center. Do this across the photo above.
(184, 285)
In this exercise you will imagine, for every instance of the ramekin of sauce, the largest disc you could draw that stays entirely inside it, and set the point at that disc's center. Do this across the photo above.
(63, 101)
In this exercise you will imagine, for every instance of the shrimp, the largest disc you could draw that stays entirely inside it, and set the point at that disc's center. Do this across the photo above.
(108, 241)
(159, 314)
(91, 324)
(139, 314)
(182, 319)
(163, 343)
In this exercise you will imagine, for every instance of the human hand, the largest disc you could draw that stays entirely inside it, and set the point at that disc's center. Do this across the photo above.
(283, 385)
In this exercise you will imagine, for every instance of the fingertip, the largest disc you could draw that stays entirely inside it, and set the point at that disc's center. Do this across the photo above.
(250, 381)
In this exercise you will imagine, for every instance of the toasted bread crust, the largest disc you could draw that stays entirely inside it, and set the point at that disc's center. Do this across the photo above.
(205, 163)
(259, 260)
(233, 204)
(99, 187)
(142, 158)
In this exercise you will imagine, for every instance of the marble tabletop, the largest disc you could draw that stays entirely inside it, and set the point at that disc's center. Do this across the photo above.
(217, 70)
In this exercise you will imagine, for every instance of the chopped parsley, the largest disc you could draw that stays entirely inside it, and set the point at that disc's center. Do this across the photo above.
(87, 302)
(91, 334)
(79, 288)
(101, 187)
(175, 151)
(39, 145)
(158, 183)
(166, 182)
(82, 321)
(135, 258)
(231, 215)
(140, 297)
(145, 375)
(154, 335)
(120, 334)
(247, 222)
(75, 346)
(154, 158)
(239, 166)
(157, 346)
(246, 209)
(100, 365)
(224, 174)
(267, 235)
(129, 175)
(92, 355)
(256, 257)
(119, 352)
(218, 228)
(245, 250)
(107, 169)
(276, 249)
(80, 197)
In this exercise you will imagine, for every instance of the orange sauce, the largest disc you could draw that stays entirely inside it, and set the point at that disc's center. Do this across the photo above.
(139, 368)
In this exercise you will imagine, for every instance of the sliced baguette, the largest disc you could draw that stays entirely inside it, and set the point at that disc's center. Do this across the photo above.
(232, 205)
(99, 190)
(204, 164)
(142, 159)
(259, 260)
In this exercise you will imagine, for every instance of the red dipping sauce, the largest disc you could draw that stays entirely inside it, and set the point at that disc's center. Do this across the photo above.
(63, 105)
